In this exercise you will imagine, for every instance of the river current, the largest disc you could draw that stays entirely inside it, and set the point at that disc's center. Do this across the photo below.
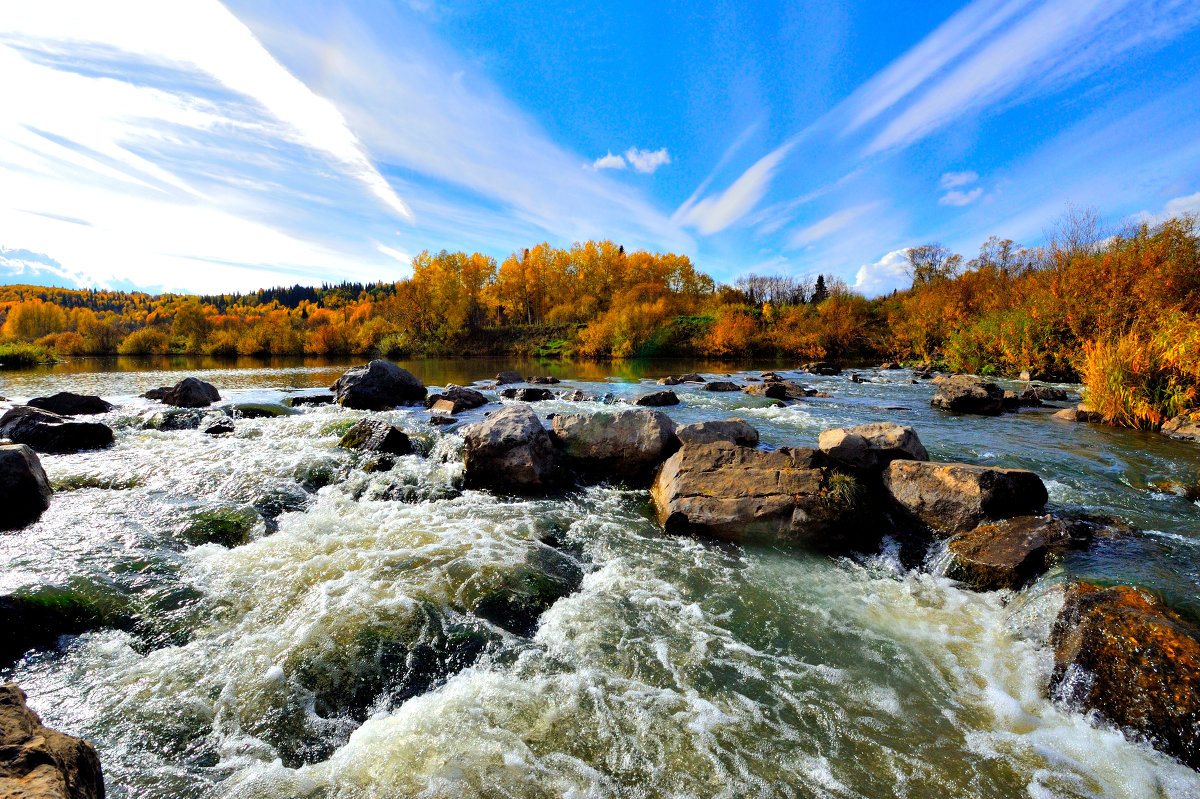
(679, 668)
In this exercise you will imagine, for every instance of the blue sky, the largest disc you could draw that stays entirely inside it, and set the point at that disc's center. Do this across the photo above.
(204, 147)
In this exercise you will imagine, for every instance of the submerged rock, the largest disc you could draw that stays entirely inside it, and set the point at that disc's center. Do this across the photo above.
(951, 498)
(735, 431)
(377, 386)
(546, 576)
(228, 526)
(220, 427)
(376, 435)
(1123, 653)
(36, 620)
(64, 403)
(871, 447)
(510, 451)
(187, 393)
(657, 399)
(527, 394)
(1010, 553)
(623, 446)
(260, 410)
(455, 399)
(308, 399)
(49, 432)
(40, 763)
(24, 490)
(175, 420)
(741, 494)
(966, 394)
(1185, 426)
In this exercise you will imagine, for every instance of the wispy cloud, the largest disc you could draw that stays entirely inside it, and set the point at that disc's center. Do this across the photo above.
(961, 198)
(717, 212)
(952, 180)
(609, 161)
(829, 225)
(647, 161)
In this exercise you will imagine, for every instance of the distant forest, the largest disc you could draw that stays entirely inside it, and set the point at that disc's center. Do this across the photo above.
(1117, 309)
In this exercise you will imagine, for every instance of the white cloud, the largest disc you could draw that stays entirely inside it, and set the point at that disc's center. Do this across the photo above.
(829, 225)
(717, 212)
(646, 161)
(952, 180)
(960, 198)
(884, 275)
(609, 161)
(1181, 206)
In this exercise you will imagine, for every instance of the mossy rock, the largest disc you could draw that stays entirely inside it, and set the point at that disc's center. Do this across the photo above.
(313, 474)
(546, 577)
(35, 619)
(338, 427)
(260, 410)
(228, 526)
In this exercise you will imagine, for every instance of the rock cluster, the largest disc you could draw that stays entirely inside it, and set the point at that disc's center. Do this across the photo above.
(455, 399)
(48, 432)
(187, 393)
(1185, 426)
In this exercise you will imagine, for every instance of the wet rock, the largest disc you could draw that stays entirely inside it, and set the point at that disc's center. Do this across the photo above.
(770, 377)
(543, 380)
(657, 399)
(527, 394)
(734, 431)
(510, 451)
(260, 410)
(40, 763)
(1011, 552)
(576, 396)
(623, 446)
(187, 393)
(822, 368)
(1080, 413)
(376, 435)
(174, 420)
(546, 576)
(1013, 401)
(229, 526)
(772, 390)
(64, 403)
(871, 447)
(1185, 426)
(455, 399)
(378, 386)
(741, 494)
(220, 427)
(314, 473)
(1123, 653)
(950, 498)
(24, 490)
(887, 365)
(37, 620)
(505, 378)
(966, 394)
(721, 385)
(442, 420)
(675, 380)
(308, 399)
(1038, 394)
(48, 432)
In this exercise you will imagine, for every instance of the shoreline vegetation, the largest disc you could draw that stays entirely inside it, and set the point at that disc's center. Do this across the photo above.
(1118, 310)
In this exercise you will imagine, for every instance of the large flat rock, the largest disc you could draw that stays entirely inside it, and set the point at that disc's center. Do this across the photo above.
(951, 498)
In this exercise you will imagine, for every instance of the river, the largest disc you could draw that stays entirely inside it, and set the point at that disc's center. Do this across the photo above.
(679, 669)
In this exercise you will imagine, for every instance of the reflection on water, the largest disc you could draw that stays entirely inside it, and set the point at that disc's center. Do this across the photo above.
(678, 669)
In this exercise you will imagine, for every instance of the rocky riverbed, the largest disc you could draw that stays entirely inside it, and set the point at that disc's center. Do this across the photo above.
(788, 583)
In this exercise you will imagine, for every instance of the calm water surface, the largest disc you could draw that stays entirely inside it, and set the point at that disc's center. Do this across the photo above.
(680, 669)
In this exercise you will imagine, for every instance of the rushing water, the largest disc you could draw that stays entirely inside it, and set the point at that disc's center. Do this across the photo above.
(679, 669)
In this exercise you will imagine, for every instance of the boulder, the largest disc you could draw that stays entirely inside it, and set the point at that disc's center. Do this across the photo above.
(456, 399)
(1013, 401)
(721, 385)
(742, 494)
(378, 386)
(308, 399)
(1037, 394)
(504, 378)
(40, 763)
(657, 399)
(442, 420)
(1011, 552)
(527, 394)
(49, 432)
(966, 394)
(1185, 426)
(770, 376)
(623, 446)
(37, 620)
(187, 393)
(24, 490)
(734, 431)
(510, 451)
(220, 427)
(376, 435)
(772, 390)
(174, 420)
(950, 498)
(260, 410)
(674, 380)
(576, 396)
(871, 447)
(64, 403)
(1123, 653)
(887, 365)
(822, 368)
(1080, 413)
(537, 380)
